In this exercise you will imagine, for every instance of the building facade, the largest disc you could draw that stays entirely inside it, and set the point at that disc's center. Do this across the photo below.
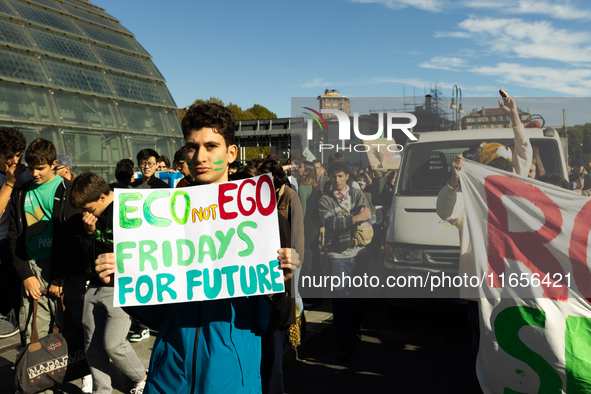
(490, 118)
(332, 99)
(71, 73)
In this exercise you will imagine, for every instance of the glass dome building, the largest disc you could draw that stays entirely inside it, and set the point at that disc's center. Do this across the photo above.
(71, 73)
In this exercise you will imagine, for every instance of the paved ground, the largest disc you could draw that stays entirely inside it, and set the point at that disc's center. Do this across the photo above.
(121, 384)
(402, 350)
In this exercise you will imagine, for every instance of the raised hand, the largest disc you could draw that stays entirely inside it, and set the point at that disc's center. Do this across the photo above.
(456, 167)
(509, 106)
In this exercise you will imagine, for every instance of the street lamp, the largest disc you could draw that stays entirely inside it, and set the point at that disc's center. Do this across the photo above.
(457, 91)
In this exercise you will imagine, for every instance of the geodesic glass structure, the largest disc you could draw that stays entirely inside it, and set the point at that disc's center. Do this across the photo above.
(71, 73)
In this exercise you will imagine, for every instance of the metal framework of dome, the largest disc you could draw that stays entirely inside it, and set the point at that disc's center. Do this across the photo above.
(71, 73)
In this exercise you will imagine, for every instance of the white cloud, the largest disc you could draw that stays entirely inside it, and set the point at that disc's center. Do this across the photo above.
(444, 63)
(576, 82)
(516, 37)
(426, 5)
(563, 9)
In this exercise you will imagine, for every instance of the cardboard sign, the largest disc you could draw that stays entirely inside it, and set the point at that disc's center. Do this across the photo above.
(196, 243)
(383, 153)
(530, 243)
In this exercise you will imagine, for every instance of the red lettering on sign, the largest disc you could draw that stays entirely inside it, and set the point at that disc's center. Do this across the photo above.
(253, 205)
(525, 247)
(266, 211)
(223, 199)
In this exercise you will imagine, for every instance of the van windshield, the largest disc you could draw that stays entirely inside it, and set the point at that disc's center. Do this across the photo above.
(426, 167)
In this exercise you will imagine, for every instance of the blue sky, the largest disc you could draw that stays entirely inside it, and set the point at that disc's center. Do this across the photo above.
(267, 52)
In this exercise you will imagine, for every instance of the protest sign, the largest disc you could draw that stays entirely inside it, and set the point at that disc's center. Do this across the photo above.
(530, 246)
(196, 243)
(308, 154)
(383, 153)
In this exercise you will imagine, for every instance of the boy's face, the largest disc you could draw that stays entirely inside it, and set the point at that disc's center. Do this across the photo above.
(182, 167)
(6, 161)
(162, 166)
(339, 180)
(319, 169)
(97, 207)
(148, 166)
(208, 156)
(63, 171)
(42, 173)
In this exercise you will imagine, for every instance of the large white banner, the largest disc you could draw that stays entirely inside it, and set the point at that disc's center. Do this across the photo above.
(196, 243)
(530, 240)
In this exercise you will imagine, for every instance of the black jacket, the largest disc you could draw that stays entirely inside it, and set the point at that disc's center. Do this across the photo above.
(64, 246)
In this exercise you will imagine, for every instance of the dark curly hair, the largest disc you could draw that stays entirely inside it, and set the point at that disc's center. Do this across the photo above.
(12, 141)
(211, 115)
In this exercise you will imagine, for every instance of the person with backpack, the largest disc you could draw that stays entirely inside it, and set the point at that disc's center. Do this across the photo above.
(39, 238)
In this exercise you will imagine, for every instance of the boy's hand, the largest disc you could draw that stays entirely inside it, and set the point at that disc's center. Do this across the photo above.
(289, 261)
(105, 266)
(14, 171)
(89, 221)
(32, 287)
(55, 291)
(456, 167)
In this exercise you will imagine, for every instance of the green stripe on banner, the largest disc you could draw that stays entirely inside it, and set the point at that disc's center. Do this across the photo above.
(578, 354)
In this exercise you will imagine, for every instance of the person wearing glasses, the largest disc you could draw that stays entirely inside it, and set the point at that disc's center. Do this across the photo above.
(147, 161)
(64, 167)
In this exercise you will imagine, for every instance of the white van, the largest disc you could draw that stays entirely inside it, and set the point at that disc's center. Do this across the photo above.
(418, 241)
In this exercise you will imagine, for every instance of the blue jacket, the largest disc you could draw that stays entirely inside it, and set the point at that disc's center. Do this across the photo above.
(210, 347)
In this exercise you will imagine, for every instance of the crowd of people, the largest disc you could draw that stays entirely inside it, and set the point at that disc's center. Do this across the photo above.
(56, 247)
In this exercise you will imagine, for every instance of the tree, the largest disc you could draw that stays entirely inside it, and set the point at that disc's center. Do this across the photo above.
(260, 112)
(255, 112)
(579, 140)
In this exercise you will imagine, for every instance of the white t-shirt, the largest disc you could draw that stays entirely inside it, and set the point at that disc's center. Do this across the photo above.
(5, 216)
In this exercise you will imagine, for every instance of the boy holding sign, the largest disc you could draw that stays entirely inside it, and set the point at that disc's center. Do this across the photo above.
(213, 346)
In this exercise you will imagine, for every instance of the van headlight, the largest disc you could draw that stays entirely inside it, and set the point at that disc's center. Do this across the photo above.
(408, 255)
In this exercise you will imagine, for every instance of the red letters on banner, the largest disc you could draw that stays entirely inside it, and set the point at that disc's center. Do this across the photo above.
(525, 247)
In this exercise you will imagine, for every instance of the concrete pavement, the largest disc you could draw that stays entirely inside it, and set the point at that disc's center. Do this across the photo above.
(318, 321)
